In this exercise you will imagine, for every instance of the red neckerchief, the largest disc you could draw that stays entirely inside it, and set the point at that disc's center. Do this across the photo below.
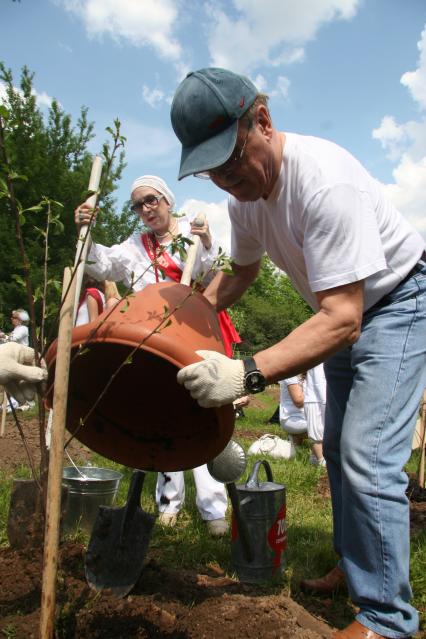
(160, 258)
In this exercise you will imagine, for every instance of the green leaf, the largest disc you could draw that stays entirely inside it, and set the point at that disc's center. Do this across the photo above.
(4, 113)
(19, 280)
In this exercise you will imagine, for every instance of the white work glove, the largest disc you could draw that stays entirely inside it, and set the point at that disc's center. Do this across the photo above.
(216, 381)
(17, 371)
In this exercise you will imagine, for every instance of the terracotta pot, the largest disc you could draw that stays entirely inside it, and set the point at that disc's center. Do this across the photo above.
(144, 418)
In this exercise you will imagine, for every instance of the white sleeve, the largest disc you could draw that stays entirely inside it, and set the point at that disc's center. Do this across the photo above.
(110, 262)
(19, 335)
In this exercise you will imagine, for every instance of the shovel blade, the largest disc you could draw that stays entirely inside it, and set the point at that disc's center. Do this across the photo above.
(119, 543)
(114, 557)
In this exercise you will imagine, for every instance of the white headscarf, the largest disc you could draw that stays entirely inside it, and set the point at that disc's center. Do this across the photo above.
(156, 183)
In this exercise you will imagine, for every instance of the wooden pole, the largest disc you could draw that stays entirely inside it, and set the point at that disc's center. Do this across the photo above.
(3, 413)
(83, 243)
(71, 293)
(54, 483)
(191, 255)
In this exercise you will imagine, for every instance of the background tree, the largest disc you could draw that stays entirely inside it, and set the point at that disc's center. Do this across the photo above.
(52, 153)
(269, 310)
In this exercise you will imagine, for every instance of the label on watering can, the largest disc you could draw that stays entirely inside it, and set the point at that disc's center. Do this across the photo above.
(277, 536)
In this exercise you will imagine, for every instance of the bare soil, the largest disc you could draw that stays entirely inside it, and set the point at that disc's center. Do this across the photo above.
(169, 603)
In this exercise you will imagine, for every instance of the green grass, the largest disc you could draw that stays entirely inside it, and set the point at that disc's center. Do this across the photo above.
(309, 520)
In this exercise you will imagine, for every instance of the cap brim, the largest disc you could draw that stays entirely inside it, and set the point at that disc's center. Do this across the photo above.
(208, 154)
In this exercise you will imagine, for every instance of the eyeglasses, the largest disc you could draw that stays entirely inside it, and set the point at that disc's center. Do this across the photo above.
(150, 201)
(226, 169)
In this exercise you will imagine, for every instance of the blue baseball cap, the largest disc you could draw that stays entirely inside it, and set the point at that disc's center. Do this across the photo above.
(205, 111)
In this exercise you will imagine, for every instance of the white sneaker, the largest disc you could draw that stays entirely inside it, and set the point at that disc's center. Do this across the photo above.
(217, 527)
(167, 519)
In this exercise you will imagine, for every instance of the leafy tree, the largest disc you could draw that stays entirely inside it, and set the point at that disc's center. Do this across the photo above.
(269, 310)
(50, 159)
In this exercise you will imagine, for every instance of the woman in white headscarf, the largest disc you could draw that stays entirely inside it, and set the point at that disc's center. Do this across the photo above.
(20, 320)
(132, 263)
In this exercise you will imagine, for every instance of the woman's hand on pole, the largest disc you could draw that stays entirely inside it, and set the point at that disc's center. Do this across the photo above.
(84, 214)
(202, 231)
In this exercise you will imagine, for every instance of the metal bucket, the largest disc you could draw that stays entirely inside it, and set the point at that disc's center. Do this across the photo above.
(263, 508)
(97, 487)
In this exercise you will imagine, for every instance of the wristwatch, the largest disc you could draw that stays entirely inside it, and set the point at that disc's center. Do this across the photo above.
(254, 381)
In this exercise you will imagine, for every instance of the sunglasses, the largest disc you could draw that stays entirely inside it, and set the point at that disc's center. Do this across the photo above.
(149, 202)
(226, 169)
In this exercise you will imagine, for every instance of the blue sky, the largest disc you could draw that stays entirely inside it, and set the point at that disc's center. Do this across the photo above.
(353, 71)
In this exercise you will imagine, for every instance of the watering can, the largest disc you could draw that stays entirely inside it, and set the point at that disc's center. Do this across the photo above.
(124, 401)
(259, 529)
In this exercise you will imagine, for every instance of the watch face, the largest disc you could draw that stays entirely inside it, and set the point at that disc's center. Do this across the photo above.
(255, 382)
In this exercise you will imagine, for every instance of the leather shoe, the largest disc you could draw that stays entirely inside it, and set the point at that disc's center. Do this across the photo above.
(326, 585)
(356, 630)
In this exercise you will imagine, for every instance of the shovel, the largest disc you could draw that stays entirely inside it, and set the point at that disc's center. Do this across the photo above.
(119, 543)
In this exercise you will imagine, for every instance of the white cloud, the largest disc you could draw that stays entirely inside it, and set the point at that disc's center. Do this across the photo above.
(138, 22)
(153, 97)
(217, 216)
(408, 192)
(416, 80)
(42, 99)
(271, 32)
(282, 87)
(392, 136)
(406, 144)
(145, 143)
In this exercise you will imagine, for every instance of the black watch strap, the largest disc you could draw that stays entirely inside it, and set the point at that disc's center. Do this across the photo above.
(249, 365)
(254, 381)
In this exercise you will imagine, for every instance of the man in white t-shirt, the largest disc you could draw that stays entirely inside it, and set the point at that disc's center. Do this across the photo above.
(326, 222)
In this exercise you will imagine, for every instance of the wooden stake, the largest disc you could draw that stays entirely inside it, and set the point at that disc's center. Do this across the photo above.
(3, 413)
(54, 483)
(72, 285)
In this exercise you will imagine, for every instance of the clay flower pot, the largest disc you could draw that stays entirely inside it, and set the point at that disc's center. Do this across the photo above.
(145, 419)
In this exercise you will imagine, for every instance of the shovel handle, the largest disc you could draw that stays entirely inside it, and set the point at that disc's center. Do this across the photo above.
(191, 255)
(133, 498)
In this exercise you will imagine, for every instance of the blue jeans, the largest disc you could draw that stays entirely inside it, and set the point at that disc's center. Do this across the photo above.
(373, 394)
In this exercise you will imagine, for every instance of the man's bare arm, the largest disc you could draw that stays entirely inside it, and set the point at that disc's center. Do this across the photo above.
(336, 325)
(225, 289)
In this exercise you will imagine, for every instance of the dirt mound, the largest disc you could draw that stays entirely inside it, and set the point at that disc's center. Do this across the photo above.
(165, 603)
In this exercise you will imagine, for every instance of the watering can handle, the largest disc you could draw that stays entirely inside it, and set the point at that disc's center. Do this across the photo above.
(191, 255)
(253, 481)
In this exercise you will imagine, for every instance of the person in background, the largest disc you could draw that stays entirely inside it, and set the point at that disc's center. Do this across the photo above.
(291, 408)
(19, 334)
(329, 225)
(145, 258)
(92, 300)
(314, 407)
(239, 406)
(112, 296)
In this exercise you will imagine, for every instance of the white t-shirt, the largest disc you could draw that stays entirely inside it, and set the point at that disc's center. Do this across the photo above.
(326, 223)
(287, 407)
(316, 385)
(129, 262)
(19, 335)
